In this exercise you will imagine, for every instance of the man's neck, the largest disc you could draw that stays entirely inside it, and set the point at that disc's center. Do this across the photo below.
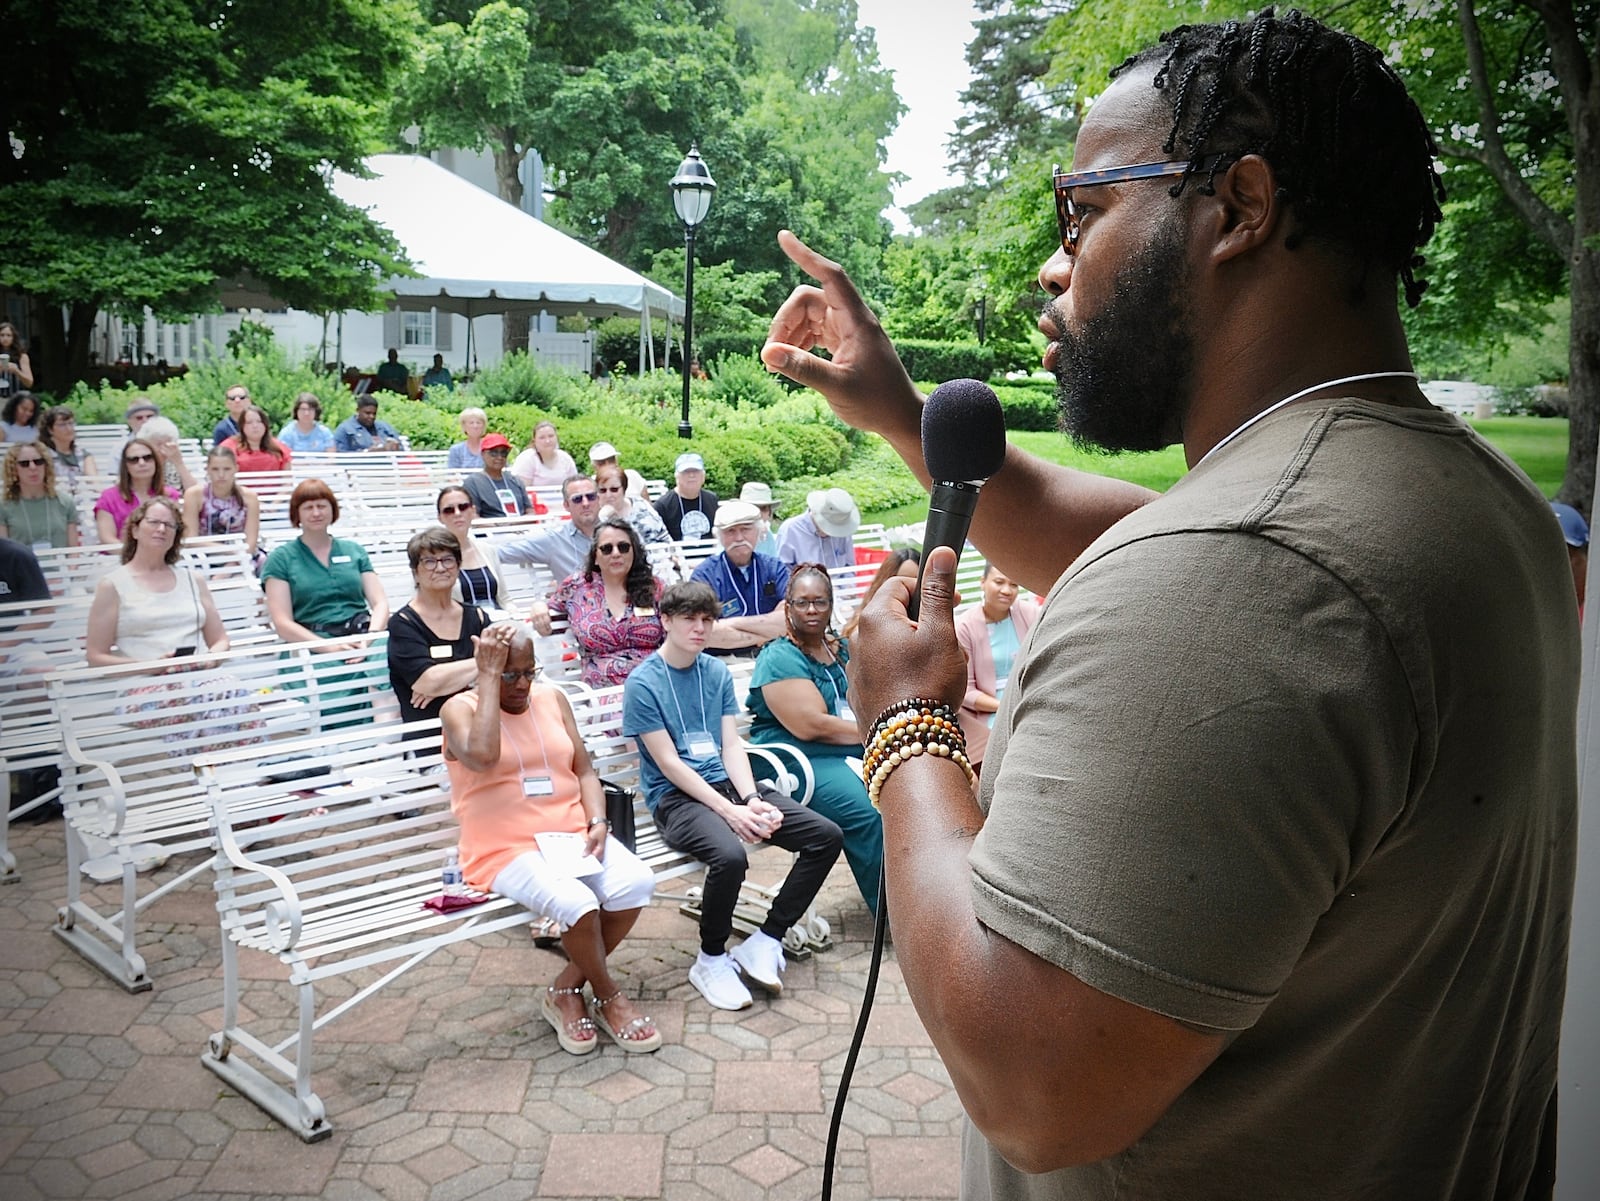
(678, 657)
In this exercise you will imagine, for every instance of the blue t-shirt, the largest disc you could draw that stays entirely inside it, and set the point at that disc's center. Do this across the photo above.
(685, 702)
(318, 441)
(748, 593)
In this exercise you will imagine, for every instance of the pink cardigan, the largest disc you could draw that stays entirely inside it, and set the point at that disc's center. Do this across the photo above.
(972, 632)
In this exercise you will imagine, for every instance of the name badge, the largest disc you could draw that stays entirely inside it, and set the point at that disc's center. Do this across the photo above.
(536, 786)
(340, 559)
(644, 612)
(42, 544)
(846, 712)
(700, 744)
(439, 652)
(732, 608)
(507, 498)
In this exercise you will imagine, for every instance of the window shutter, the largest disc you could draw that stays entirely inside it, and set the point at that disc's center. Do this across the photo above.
(391, 330)
(443, 324)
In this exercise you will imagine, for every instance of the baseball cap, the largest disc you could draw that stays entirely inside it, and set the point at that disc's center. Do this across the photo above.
(495, 442)
(834, 510)
(688, 461)
(756, 493)
(601, 451)
(1573, 527)
(142, 405)
(735, 512)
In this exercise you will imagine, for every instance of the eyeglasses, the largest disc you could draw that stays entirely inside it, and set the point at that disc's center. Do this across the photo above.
(30, 462)
(498, 450)
(445, 564)
(582, 498)
(156, 523)
(615, 548)
(465, 506)
(239, 396)
(1069, 220)
(604, 488)
(138, 458)
(811, 602)
(511, 677)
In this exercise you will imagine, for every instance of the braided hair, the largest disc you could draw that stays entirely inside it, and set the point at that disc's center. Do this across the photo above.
(1349, 146)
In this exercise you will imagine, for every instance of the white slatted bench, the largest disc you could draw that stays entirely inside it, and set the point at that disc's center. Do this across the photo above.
(129, 792)
(341, 892)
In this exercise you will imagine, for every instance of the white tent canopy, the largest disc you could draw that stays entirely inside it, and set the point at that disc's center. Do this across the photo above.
(476, 254)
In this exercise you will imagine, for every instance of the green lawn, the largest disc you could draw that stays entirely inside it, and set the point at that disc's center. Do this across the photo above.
(1537, 444)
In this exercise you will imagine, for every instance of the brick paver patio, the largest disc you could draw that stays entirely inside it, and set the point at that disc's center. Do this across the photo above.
(447, 1085)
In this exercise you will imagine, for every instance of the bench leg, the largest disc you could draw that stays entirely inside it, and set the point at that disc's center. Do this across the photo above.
(77, 922)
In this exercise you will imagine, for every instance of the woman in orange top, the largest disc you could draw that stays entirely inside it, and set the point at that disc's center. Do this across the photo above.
(519, 774)
(254, 446)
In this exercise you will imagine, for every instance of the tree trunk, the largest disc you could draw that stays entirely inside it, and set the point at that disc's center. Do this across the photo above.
(1583, 380)
(59, 349)
(507, 163)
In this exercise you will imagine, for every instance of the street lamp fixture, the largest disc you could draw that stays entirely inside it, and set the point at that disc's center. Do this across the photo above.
(691, 196)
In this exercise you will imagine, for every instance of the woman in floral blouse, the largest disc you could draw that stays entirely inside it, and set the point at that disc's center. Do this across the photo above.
(610, 605)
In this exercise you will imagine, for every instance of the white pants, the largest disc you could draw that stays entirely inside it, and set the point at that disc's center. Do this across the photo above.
(623, 883)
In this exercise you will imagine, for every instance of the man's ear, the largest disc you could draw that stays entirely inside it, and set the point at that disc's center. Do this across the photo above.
(1249, 212)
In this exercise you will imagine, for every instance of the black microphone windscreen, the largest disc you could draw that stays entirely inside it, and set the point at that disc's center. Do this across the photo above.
(963, 431)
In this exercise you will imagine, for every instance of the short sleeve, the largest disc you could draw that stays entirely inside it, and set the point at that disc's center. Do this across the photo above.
(559, 602)
(778, 660)
(359, 557)
(729, 706)
(641, 711)
(409, 650)
(1167, 817)
(277, 565)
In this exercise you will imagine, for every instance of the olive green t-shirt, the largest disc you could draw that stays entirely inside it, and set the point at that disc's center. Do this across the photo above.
(1290, 754)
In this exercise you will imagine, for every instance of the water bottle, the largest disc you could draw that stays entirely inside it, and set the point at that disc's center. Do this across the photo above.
(450, 877)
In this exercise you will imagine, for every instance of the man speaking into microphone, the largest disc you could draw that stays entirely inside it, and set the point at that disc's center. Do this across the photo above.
(1266, 890)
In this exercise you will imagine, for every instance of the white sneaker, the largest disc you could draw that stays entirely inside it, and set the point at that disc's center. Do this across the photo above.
(718, 982)
(760, 958)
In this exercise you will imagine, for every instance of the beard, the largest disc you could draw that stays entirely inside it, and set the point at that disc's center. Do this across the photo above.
(1123, 380)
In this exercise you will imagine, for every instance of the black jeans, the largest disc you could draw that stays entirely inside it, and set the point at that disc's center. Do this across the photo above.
(690, 826)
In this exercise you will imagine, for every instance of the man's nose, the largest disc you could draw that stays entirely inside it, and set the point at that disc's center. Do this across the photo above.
(1055, 277)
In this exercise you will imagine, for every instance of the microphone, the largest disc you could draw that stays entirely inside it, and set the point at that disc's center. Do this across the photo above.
(963, 444)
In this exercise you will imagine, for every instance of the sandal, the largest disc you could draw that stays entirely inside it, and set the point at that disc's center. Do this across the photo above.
(628, 1037)
(546, 932)
(569, 1030)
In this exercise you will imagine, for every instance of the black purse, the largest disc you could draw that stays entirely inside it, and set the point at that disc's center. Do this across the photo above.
(619, 812)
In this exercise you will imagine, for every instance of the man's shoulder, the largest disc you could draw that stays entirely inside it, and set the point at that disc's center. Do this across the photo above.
(708, 570)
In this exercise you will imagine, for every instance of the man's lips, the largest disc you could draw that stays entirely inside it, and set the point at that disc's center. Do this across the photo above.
(1052, 350)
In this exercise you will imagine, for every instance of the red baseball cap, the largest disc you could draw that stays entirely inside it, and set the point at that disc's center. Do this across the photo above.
(495, 442)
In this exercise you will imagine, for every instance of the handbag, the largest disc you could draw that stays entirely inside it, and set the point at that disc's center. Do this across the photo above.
(619, 812)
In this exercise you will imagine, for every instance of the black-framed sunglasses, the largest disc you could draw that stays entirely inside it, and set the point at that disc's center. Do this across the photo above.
(1069, 219)
(615, 548)
(139, 458)
(452, 510)
(30, 462)
(582, 498)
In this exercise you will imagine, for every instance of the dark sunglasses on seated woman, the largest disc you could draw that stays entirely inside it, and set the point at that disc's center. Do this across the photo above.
(452, 510)
(30, 462)
(139, 458)
(615, 548)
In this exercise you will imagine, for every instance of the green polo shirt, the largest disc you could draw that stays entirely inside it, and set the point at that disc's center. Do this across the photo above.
(321, 595)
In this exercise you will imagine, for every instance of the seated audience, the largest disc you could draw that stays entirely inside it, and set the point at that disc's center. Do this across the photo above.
(602, 454)
(610, 606)
(662, 551)
(899, 562)
(162, 433)
(438, 376)
(393, 375)
(137, 482)
(689, 509)
(363, 431)
(222, 505)
(467, 455)
(679, 705)
(822, 534)
(306, 435)
(321, 588)
(479, 580)
(749, 587)
(562, 547)
(19, 419)
(544, 464)
(797, 695)
(990, 635)
(760, 495)
(254, 447)
(58, 433)
(235, 397)
(519, 771)
(149, 608)
(496, 491)
(32, 511)
(432, 635)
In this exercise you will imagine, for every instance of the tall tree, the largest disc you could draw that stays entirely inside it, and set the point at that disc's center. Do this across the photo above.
(157, 145)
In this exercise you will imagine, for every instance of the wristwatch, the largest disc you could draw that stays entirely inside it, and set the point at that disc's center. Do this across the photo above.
(595, 821)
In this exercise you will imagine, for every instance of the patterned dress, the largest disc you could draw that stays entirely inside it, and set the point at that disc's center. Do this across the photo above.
(611, 646)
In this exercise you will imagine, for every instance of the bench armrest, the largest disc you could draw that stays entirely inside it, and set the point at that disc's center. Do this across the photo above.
(281, 917)
(790, 765)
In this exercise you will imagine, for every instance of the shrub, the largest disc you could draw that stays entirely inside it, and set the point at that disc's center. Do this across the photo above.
(722, 347)
(737, 459)
(742, 381)
(521, 379)
(1029, 406)
(875, 478)
(616, 340)
(927, 360)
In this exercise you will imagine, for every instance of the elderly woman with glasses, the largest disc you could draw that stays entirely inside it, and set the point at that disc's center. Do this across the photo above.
(610, 605)
(797, 695)
(31, 510)
(431, 635)
(138, 480)
(149, 608)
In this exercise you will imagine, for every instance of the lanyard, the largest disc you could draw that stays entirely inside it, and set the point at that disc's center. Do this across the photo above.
(1301, 395)
(544, 755)
(728, 571)
(672, 687)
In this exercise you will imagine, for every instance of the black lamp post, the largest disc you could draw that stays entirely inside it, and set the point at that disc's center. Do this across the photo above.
(691, 196)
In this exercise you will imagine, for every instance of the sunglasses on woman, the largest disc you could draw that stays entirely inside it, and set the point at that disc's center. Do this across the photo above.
(452, 510)
(30, 462)
(139, 459)
(615, 548)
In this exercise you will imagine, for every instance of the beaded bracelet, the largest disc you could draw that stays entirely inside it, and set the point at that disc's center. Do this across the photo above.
(907, 729)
